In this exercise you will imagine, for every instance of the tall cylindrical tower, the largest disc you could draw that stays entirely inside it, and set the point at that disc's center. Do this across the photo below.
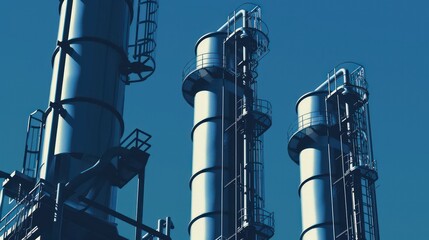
(333, 147)
(314, 168)
(72, 193)
(209, 117)
(84, 118)
(229, 120)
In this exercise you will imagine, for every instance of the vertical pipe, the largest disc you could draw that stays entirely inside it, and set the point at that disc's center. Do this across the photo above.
(168, 225)
(1, 202)
(140, 200)
(330, 165)
(246, 183)
(371, 157)
(160, 228)
(246, 157)
(222, 190)
(344, 200)
(236, 159)
(58, 212)
(355, 218)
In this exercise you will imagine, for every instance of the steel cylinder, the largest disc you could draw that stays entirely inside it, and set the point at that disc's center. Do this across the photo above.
(332, 145)
(311, 146)
(206, 181)
(213, 146)
(87, 91)
(312, 110)
(209, 50)
(315, 194)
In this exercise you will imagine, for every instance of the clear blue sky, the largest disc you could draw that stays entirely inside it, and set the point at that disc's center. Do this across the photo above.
(389, 37)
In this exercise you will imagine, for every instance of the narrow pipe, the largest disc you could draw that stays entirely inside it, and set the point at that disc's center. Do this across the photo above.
(1, 203)
(161, 224)
(374, 166)
(140, 199)
(240, 14)
(339, 73)
(58, 213)
(168, 225)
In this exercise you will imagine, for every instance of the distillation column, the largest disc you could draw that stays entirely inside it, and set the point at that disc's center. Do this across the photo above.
(213, 108)
(226, 199)
(313, 159)
(333, 147)
(84, 118)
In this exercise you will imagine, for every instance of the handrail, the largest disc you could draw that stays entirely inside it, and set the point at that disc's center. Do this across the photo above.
(320, 118)
(261, 216)
(259, 105)
(138, 139)
(204, 60)
(253, 18)
(355, 78)
(263, 106)
(307, 120)
(28, 201)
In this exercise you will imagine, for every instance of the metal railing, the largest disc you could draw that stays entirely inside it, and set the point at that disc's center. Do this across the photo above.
(260, 216)
(263, 106)
(205, 60)
(259, 105)
(137, 139)
(261, 111)
(307, 120)
(356, 79)
(255, 27)
(254, 19)
(22, 210)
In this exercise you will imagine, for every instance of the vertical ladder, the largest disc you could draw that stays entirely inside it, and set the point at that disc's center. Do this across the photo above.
(144, 41)
(33, 143)
(342, 160)
(356, 173)
(142, 46)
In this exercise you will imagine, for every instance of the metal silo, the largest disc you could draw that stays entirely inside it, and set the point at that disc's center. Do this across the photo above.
(87, 93)
(333, 146)
(229, 120)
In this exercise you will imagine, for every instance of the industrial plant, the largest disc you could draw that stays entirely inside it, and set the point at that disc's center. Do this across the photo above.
(78, 156)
